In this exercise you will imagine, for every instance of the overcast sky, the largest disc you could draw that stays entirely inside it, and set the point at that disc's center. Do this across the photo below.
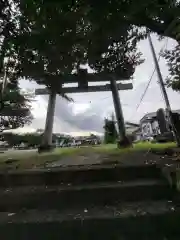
(88, 111)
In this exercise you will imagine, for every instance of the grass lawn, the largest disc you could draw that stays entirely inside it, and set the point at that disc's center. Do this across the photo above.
(143, 146)
(31, 159)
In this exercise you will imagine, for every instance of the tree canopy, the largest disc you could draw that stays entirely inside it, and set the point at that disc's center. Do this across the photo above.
(173, 60)
(47, 51)
(14, 101)
(30, 139)
(48, 39)
(160, 16)
(110, 132)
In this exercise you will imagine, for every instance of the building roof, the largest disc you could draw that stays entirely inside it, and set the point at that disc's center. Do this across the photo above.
(130, 124)
(148, 116)
(176, 111)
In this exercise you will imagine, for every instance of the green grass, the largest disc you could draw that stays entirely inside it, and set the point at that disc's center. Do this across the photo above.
(143, 146)
(147, 145)
(33, 159)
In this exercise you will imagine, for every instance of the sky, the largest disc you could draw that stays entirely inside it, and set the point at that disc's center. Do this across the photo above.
(87, 112)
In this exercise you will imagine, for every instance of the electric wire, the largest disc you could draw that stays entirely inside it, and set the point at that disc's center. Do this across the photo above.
(150, 79)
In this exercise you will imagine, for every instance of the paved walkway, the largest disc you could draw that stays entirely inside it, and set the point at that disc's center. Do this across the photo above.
(90, 158)
(83, 159)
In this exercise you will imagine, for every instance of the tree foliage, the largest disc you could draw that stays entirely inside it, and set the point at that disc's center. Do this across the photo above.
(173, 60)
(9, 20)
(110, 132)
(156, 15)
(13, 100)
(48, 51)
(50, 39)
(29, 139)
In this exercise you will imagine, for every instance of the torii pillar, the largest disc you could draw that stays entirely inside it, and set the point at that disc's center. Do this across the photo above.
(48, 131)
(123, 140)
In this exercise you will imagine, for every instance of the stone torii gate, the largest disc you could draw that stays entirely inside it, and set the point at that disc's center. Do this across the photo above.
(83, 78)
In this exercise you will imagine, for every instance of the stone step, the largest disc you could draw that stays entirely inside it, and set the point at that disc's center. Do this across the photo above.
(65, 196)
(137, 220)
(78, 175)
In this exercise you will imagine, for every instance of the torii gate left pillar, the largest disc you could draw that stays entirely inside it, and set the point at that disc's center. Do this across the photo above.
(47, 135)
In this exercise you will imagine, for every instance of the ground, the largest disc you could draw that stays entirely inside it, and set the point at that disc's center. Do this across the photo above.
(48, 202)
(27, 159)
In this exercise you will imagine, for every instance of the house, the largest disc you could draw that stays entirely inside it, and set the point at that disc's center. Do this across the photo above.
(88, 140)
(150, 125)
(131, 127)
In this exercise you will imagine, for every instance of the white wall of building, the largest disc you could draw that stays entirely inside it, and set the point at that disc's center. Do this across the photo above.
(146, 129)
(149, 129)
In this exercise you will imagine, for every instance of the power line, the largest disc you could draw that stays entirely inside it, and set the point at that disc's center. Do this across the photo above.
(145, 91)
(151, 77)
(171, 25)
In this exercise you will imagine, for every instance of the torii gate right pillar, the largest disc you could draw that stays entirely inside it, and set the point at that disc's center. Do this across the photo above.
(123, 140)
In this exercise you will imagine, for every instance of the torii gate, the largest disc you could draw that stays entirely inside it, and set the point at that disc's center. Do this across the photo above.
(83, 77)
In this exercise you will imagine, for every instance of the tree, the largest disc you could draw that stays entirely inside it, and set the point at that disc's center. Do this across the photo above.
(15, 111)
(12, 139)
(6, 27)
(173, 62)
(48, 51)
(30, 139)
(86, 33)
(110, 132)
(160, 16)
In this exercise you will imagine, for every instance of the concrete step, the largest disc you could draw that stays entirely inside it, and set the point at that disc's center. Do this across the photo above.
(78, 175)
(65, 196)
(137, 220)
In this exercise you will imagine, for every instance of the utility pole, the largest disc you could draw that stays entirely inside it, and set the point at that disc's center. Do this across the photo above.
(123, 140)
(162, 86)
(160, 78)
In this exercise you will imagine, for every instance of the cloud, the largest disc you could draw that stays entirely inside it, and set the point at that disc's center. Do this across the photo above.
(89, 120)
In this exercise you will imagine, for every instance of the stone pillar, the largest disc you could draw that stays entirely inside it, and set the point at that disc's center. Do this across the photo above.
(47, 136)
(123, 140)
